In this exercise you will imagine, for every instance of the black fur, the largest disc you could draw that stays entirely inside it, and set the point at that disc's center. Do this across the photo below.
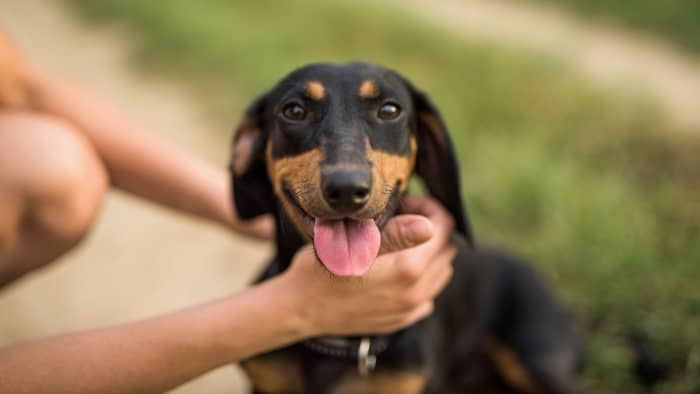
(491, 296)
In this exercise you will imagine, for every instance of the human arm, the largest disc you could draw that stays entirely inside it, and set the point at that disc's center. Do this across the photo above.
(136, 161)
(160, 353)
(157, 354)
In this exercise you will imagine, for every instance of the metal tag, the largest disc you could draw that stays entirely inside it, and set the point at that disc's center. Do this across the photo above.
(365, 361)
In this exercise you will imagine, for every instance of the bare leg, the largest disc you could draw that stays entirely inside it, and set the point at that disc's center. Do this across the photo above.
(51, 187)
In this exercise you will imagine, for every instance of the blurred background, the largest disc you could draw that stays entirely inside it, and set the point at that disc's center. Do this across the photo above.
(576, 122)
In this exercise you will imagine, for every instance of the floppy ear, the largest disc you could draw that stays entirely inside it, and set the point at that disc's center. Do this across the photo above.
(252, 190)
(436, 161)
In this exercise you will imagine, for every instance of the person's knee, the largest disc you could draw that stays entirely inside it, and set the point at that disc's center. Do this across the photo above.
(62, 180)
(71, 187)
(67, 210)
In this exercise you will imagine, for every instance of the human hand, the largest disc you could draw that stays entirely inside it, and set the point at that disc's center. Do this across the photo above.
(414, 265)
(262, 227)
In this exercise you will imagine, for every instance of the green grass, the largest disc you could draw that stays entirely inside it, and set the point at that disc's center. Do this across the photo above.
(595, 189)
(675, 20)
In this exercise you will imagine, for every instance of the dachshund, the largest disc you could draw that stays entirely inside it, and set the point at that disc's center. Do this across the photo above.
(330, 151)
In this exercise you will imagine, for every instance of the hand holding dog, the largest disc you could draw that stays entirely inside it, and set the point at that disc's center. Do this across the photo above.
(414, 265)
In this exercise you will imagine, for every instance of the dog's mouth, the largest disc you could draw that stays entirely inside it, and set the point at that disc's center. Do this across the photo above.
(345, 246)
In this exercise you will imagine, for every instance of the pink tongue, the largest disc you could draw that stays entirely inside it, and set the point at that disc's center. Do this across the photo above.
(346, 247)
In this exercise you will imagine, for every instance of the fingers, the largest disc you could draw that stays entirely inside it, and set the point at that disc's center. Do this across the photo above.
(264, 228)
(419, 266)
(412, 309)
(420, 313)
(430, 208)
(442, 222)
(435, 283)
(425, 219)
(420, 205)
(405, 231)
(396, 292)
(403, 320)
(431, 281)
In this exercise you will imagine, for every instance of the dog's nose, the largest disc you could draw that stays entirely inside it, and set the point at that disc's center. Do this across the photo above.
(346, 191)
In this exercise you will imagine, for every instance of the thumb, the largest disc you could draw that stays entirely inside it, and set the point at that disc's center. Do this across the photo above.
(405, 231)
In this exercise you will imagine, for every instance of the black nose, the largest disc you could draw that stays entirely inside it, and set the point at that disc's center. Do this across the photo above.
(346, 191)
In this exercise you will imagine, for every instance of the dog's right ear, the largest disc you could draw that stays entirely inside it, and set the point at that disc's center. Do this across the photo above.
(436, 161)
(251, 188)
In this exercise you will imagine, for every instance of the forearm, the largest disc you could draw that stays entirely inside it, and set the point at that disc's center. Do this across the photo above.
(158, 354)
(136, 161)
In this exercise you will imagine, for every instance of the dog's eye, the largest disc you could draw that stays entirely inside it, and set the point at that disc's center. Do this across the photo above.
(389, 111)
(294, 111)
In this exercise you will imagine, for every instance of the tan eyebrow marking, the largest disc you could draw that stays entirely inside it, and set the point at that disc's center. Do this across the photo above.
(368, 90)
(314, 90)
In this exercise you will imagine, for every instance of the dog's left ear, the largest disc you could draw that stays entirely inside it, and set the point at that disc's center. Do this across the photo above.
(436, 160)
(252, 191)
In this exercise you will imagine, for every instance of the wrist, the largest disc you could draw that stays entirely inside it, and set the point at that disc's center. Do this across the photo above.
(301, 318)
(219, 206)
(264, 317)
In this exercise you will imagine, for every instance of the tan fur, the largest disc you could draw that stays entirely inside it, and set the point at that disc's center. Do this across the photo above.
(274, 374)
(387, 169)
(314, 90)
(301, 174)
(368, 90)
(509, 367)
(277, 374)
(383, 383)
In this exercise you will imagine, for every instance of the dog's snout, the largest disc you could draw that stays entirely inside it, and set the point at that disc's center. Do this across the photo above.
(346, 191)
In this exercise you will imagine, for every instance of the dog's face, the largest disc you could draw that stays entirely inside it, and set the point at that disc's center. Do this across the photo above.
(336, 146)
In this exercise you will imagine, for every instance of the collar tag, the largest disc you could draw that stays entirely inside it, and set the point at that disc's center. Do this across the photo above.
(365, 361)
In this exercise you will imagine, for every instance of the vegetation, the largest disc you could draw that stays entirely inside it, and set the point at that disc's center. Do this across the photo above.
(674, 20)
(599, 191)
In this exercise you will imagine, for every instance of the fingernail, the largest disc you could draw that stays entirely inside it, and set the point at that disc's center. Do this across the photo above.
(417, 231)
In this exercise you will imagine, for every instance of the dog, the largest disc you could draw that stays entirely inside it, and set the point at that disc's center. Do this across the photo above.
(330, 151)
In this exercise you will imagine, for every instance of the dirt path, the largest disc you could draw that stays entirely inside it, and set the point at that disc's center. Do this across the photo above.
(140, 260)
(619, 59)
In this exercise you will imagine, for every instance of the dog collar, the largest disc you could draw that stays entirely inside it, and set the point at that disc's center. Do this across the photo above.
(364, 349)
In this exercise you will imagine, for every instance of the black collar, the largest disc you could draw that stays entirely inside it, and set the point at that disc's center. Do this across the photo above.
(363, 349)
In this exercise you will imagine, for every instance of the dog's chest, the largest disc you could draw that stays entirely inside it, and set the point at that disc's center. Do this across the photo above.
(415, 361)
(297, 369)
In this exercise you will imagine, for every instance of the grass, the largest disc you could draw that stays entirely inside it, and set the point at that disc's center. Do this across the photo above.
(594, 189)
(674, 20)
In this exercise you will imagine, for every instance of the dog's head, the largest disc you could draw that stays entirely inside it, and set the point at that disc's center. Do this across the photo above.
(336, 146)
